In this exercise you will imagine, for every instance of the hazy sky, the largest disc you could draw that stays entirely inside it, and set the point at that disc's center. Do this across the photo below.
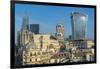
(48, 16)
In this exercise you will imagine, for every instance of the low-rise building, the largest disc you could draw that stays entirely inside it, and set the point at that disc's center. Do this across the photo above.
(42, 41)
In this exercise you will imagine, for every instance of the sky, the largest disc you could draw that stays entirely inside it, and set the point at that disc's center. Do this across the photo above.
(49, 16)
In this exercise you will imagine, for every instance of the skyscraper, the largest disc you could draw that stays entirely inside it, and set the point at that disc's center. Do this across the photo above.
(34, 28)
(79, 26)
(24, 35)
(25, 24)
(60, 32)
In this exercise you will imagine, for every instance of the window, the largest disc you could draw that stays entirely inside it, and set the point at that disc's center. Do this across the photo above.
(30, 54)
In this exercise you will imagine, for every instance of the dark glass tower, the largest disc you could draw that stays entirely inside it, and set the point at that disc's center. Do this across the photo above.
(34, 28)
(79, 26)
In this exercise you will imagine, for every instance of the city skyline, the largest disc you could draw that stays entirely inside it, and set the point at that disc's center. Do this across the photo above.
(48, 20)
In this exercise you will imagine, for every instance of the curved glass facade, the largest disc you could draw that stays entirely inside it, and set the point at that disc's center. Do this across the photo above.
(79, 26)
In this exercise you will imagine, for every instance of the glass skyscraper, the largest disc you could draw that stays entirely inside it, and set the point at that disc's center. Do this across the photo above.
(34, 28)
(79, 26)
(25, 24)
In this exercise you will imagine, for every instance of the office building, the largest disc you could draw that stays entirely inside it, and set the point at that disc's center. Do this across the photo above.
(60, 32)
(79, 26)
(34, 28)
(25, 34)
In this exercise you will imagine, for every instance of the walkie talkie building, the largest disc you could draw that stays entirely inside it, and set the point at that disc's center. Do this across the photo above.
(79, 26)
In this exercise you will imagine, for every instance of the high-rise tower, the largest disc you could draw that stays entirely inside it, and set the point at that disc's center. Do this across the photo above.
(25, 24)
(79, 26)
(24, 35)
(34, 28)
(60, 32)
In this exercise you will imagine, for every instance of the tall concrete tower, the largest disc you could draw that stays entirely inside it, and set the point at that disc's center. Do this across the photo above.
(60, 32)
